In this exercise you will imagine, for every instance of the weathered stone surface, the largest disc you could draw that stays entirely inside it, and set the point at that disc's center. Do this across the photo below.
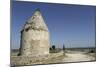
(25, 60)
(35, 37)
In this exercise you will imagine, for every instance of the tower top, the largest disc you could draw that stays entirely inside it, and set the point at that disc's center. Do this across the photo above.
(36, 21)
(37, 9)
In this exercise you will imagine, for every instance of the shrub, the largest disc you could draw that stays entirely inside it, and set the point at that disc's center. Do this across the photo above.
(53, 47)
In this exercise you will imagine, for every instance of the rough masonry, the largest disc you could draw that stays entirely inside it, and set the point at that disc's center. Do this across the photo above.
(35, 36)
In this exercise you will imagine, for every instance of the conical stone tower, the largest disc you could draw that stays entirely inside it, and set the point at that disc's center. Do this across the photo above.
(35, 36)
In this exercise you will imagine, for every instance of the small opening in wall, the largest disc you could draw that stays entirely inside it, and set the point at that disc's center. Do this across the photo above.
(27, 29)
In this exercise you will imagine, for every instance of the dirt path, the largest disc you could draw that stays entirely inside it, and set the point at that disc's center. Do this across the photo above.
(76, 57)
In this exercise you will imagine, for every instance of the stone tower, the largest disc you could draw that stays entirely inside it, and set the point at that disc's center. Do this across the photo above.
(35, 36)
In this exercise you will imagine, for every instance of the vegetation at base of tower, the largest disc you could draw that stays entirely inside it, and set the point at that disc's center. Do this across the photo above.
(18, 54)
(50, 48)
(53, 47)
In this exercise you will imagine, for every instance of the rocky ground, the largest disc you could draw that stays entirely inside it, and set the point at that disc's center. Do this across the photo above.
(72, 57)
(61, 57)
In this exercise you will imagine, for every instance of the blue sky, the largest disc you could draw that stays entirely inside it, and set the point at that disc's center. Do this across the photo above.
(72, 25)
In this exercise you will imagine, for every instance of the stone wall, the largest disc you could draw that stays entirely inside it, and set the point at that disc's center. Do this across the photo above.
(35, 36)
(35, 42)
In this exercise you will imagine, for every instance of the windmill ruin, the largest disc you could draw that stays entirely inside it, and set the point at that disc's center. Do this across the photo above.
(34, 36)
(34, 43)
